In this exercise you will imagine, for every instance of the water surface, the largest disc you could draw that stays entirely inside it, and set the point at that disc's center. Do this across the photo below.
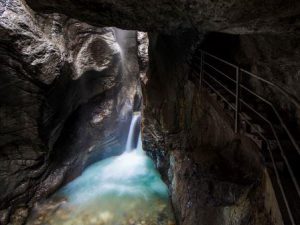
(121, 190)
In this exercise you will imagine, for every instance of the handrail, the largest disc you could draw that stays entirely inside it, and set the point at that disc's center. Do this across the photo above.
(218, 93)
(208, 79)
(273, 131)
(277, 115)
(218, 82)
(280, 89)
(222, 60)
(292, 139)
(279, 145)
(220, 72)
(275, 169)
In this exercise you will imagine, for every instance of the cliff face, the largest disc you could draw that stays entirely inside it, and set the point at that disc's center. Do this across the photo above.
(65, 97)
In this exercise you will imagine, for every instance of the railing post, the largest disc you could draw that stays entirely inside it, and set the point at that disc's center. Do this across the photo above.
(201, 70)
(237, 102)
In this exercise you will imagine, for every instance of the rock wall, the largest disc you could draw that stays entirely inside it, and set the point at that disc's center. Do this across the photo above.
(235, 16)
(273, 57)
(214, 176)
(65, 95)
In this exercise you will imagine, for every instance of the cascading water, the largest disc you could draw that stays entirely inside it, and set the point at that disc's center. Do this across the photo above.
(130, 138)
(122, 190)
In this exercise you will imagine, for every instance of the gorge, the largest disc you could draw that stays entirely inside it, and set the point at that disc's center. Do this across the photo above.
(74, 72)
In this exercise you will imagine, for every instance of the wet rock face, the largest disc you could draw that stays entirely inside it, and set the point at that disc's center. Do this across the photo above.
(214, 176)
(63, 99)
(235, 16)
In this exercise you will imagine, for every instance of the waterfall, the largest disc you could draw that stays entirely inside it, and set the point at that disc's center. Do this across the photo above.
(124, 189)
(130, 139)
(139, 146)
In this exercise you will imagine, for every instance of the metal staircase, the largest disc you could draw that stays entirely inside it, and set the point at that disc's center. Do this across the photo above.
(257, 117)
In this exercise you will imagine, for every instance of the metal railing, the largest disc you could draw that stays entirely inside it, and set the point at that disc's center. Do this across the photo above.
(241, 106)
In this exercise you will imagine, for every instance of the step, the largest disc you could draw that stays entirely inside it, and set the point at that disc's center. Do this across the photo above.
(214, 95)
(256, 139)
(245, 116)
(256, 128)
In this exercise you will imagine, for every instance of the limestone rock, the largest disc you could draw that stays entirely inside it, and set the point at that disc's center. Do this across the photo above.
(62, 89)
